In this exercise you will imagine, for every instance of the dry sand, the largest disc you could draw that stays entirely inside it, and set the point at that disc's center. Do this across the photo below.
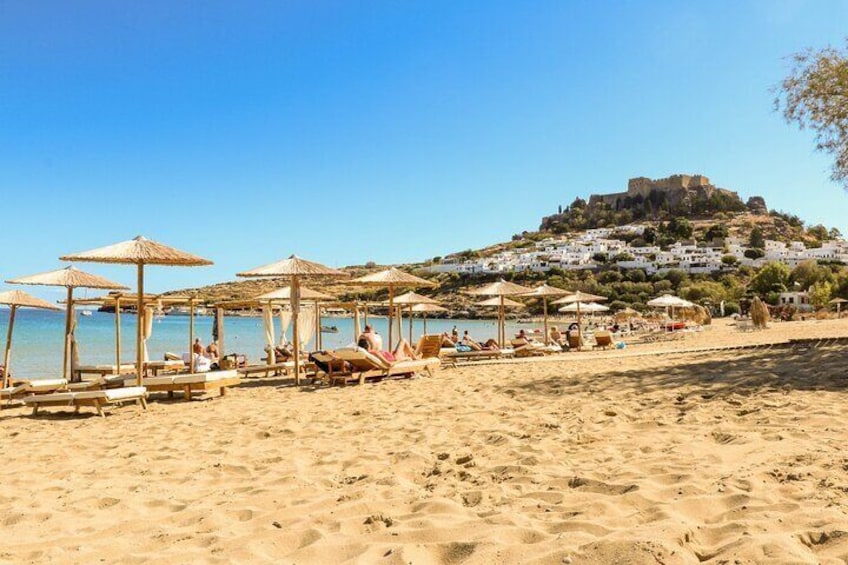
(618, 457)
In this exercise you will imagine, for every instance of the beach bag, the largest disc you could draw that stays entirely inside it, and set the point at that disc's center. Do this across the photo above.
(461, 348)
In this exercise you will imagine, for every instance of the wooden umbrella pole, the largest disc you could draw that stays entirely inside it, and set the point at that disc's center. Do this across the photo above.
(7, 357)
(502, 329)
(66, 355)
(410, 324)
(355, 322)
(317, 326)
(220, 328)
(139, 330)
(579, 327)
(545, 309)
(391, 312)
(425, 323)
(118, 334)
(191, 336)
(295, 306)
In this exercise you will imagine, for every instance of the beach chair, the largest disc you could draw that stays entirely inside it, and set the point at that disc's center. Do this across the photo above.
(96, 398)
(523, 348)
(574, 342)
(452, 355)
(19, 389)
(191, 382)
(429, 346)
(165, 366)
(603, 340)
(82, 371)
(267, 369)
(362, 365)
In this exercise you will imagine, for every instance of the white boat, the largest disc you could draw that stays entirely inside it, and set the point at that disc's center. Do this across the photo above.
(85, 313)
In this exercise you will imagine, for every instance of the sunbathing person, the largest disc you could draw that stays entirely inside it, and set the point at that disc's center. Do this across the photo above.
(490, 345)
(447, 341)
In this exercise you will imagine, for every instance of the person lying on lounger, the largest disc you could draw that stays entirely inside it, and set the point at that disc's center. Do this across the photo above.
(489, 345)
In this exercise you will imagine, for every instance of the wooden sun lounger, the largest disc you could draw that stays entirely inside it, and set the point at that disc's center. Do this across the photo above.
(96, 398)
(103, 370)
(191, 382)
(166, 366)
(454, 355)
(266, 369)
(364, 365)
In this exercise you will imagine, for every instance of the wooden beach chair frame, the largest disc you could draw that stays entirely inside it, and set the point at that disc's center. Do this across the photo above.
(364, 365)
(96, 398)
(603, 340)
(190, 383)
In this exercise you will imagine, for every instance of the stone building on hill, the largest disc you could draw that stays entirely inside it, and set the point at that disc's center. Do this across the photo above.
(677, 190)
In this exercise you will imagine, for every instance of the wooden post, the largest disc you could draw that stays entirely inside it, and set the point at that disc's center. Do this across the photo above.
(391, 312)
(410, 324)
(66, 355)
(295, 306)
(425, 323)
(139, 330)
(191, 335)
(7, 358)
(118, 333)
(355, 322)
(545, 309)
(220, 322)
(501, 331)
(579, 327)
(317, 326)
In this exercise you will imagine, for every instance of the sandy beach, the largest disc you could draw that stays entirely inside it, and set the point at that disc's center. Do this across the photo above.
(653, 454)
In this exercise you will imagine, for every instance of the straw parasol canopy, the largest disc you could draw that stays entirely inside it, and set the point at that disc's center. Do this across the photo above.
(15, 299)
(294, 267)
(69, 277)
(579, 298)
(285, 294)
(139, 251)
(410, 299)
(544, 292)
(500, 288)
(426, 308)
(500, 301)
(392, 278)
(589, 307)
(670, 301)
(838, 302)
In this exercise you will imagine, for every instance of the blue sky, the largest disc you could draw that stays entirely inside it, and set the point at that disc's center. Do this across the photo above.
(387, 131)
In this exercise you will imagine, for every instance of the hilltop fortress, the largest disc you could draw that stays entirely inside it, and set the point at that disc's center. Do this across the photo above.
(677, 190)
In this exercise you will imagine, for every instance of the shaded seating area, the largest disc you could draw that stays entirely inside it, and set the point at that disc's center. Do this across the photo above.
(97, 399)
(191, 383)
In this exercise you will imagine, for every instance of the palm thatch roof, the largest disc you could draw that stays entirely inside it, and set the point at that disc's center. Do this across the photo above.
(579, 297)
(69, 277)
(496, 301)
(500, 288)
(426, 307)
(25, 300)
(285, 294)
(546, 290)
(139, 251)
(412, 298)
(392, 277)
(294, 266)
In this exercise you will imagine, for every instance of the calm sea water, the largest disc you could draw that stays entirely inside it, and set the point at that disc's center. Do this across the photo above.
(38, 337)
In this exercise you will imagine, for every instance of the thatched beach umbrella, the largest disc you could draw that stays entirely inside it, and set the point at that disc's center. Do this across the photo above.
(759, 313)
(69, 278)
(544, 292)
(501, 289)
(586, 308)
(139, 251)
(838, 302)
(670, 301)
(307, 294)
(15, 299)
(410, 299)
(426, 309)
(579, 298)
(392, 279)
(501, 303)
(294, 268)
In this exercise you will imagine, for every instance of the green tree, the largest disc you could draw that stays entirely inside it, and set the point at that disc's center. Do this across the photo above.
(717, 231)
(814, 96)
(808, 273)
(773, 277)
(729, 260)
(756, 240)
(820, 294)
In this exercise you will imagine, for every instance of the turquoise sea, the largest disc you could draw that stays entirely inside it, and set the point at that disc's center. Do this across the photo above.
(38, 337)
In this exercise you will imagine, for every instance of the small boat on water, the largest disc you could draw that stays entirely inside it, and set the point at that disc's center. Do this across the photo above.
(329, 329)
(85, 313)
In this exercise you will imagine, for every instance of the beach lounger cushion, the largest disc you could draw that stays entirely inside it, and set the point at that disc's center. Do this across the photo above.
(94, 398)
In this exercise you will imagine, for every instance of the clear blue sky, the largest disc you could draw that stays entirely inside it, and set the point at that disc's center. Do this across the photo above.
(388, 131)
